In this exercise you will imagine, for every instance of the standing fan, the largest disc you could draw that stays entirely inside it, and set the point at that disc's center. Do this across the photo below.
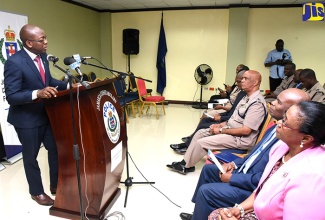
(203, 75)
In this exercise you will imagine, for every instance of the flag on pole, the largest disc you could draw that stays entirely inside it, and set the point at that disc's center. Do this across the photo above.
(161, 62)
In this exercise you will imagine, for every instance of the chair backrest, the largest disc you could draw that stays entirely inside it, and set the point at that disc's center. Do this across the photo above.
(132, 82)
(92, 76)
(267, 121)
(85, 77)
(118, 87)
(141, 85)
(98, 80)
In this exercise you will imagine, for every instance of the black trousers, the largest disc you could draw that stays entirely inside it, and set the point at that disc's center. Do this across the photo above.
(274, 83)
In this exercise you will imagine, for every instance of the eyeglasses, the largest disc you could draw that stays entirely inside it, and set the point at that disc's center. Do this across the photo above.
(284, 125)
(42, 40)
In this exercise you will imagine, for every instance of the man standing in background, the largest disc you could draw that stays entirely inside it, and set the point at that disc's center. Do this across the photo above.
(276, 59)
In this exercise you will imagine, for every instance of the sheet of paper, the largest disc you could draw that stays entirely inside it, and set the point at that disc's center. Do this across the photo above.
(116, 156)
(215, 161)
(210, 116)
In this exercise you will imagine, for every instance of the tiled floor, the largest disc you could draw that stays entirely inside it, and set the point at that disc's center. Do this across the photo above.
(148, 144)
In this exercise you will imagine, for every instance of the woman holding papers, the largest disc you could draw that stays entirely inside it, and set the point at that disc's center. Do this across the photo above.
(293, 183)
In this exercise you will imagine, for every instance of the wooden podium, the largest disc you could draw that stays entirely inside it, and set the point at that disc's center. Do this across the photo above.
(101, 139)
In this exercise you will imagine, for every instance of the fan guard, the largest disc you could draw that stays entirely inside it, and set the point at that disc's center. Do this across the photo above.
(203, 75)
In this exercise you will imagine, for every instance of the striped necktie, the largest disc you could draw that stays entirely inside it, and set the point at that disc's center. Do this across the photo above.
(265, 142)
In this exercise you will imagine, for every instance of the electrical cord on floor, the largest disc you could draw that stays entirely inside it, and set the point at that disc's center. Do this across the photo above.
(117, 214)
(197, 87)
(151, 184)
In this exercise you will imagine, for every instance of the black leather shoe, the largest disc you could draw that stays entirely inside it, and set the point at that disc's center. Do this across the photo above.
(177, 146)
(180, 168)
(181, 151)
(185, 139)
(53, 190)
(185, 216)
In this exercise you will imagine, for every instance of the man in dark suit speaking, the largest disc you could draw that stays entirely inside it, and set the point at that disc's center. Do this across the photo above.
(27, 82)
(215, 190)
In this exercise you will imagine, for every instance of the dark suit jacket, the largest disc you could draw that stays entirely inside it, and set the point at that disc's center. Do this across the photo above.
(250, 180)
(21, 77)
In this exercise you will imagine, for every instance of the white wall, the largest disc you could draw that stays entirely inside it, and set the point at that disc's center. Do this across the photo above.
(193, 37)
(201, 36)
(305, 40)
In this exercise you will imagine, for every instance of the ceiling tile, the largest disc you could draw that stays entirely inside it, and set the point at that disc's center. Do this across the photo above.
(147, 4)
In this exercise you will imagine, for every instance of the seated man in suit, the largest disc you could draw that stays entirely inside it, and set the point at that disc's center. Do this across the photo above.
(216, 190)
(239, 132)
(314, 89)
(217, 118)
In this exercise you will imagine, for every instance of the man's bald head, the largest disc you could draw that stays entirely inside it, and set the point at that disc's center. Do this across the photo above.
(34, 38)
(251, 81)
(27, 32)
(285, 100)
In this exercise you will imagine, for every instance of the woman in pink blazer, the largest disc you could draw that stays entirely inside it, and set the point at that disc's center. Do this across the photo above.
(293, 183)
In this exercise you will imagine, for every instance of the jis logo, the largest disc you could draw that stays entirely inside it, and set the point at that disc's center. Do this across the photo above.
(313, 12)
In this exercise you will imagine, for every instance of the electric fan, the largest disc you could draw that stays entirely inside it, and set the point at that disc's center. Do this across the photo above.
(203, 75)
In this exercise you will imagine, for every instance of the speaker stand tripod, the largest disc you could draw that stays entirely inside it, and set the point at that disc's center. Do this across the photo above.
(128, 181)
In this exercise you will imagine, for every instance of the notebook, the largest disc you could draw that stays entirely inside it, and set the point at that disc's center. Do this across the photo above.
(226, 157)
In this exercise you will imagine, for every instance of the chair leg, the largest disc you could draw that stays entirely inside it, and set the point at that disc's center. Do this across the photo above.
(163, 107)
(126, 115)
(137, 107)
(157, 115)
(141, 109)
(132, 107)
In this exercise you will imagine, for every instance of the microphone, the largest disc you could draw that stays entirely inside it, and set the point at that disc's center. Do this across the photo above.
(77, 58)
(85, 58)
(73, 64)
(52, 58)
(80, 59)
(284, 55)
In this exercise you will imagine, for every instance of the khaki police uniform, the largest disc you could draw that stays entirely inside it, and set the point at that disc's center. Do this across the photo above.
(316, 93)
(250, 112)
(285, 84)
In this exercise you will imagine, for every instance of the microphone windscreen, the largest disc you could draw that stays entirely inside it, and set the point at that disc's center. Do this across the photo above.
(68, 60)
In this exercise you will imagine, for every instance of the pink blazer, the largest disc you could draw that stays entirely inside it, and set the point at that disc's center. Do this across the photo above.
(296, 190)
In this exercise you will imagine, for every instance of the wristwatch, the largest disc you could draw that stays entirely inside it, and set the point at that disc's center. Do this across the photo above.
(220, 130)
